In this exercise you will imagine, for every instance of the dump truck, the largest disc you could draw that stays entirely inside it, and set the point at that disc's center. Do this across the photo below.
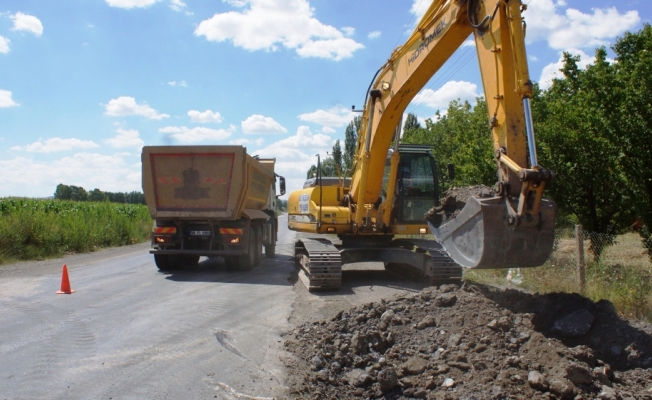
(210, 201)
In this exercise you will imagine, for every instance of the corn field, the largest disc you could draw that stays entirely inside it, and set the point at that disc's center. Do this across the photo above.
(37, 229)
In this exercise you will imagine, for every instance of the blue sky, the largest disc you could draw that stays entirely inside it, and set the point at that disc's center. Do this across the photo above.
(84, 84)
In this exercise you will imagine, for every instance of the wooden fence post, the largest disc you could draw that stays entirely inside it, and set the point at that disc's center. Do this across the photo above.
(581, 277)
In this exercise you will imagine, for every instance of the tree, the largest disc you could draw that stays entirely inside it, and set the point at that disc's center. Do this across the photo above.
(573, 126)
(135, 198)
(633, 129)
(78, 193)
(312, 172)
(63, 192)
(337, 158)
(411, 127)
(350, 143)
(460, 137)
(97, 195)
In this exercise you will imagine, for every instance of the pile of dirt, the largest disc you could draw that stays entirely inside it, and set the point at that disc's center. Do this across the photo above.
(473, 342)
(454, 201)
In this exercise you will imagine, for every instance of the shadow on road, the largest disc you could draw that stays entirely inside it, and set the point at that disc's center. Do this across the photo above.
(274, 271)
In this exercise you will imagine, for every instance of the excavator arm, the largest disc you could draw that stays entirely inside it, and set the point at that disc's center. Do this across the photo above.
(515, 228)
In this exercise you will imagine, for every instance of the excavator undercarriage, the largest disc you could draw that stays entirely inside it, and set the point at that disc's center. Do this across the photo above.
(320, 260)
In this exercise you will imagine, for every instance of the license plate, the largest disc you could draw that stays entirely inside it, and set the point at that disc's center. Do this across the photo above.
(200, 233)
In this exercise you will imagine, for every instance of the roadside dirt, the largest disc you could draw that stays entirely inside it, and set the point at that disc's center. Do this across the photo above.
(454, 201)
(472, 342)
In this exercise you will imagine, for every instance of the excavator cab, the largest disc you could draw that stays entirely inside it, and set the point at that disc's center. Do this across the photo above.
(417, 186)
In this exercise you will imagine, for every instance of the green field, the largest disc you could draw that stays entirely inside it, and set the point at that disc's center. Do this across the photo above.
(39, 229)
(622, 275)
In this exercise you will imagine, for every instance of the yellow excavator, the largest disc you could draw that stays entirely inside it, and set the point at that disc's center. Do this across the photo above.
(377, 211)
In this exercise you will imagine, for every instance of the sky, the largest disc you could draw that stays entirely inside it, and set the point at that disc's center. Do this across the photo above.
(85, 84)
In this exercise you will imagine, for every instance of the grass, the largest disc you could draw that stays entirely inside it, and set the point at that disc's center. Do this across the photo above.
(622, 275)
(39, 229)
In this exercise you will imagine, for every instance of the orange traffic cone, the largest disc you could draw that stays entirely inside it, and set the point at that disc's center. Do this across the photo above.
(65, 283)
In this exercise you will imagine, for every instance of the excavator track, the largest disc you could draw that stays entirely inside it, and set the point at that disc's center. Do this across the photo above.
(320, 262)
(444, 269)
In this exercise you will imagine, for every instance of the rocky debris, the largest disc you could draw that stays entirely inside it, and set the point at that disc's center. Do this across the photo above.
(484, 344)
(454, 201)
(574, 325)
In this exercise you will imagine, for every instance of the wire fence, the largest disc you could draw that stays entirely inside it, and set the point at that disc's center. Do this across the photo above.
(581, 252)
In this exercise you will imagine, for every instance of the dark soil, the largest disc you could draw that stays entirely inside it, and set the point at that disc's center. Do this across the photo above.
(473, 342)
(454, 201)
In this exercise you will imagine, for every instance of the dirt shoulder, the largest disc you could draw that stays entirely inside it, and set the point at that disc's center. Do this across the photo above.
(41, 267)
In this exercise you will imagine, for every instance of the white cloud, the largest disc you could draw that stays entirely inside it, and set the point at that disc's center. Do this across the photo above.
(374, 35)
(242, 142)
(53, 145)
(130, 3)
(469, 43)
(348, 30)
(29, 23)
(6, 100)
(572, 28)
(261, 124)
(336, 116)
(177, 5)
(197, 134)
(29, 177)
(304, 139)
(451, 90)
(328, 130)
(4, 45)
(125, 138)
(204, 117)
(295, 154)
(533, 58)
(552, 71)
(268, 24)
(180, 83)
(419, 7)
(124, 105)
(237, 3)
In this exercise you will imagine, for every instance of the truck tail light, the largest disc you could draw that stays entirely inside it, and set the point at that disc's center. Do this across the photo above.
(231, 239)
(165, 230)
(162, 239)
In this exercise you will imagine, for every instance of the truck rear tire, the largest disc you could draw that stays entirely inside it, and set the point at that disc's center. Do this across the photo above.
(190, 261)
(270, 249)
(167, 262)
(248, 261)
(258, 234)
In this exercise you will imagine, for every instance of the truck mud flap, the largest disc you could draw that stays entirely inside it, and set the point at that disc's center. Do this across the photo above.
(481, 236)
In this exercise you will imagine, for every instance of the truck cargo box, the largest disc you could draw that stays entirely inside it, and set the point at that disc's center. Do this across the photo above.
(213, 182)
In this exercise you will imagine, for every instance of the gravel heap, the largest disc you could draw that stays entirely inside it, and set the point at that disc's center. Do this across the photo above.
(473, 342)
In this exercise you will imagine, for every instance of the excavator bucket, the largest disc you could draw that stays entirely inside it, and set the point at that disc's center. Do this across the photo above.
(481, 237)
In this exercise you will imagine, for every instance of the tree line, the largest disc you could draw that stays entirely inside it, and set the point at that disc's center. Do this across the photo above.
(593, 128)
(77, 193)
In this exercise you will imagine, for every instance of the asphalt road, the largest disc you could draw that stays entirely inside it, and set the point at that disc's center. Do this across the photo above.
(132, 332)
